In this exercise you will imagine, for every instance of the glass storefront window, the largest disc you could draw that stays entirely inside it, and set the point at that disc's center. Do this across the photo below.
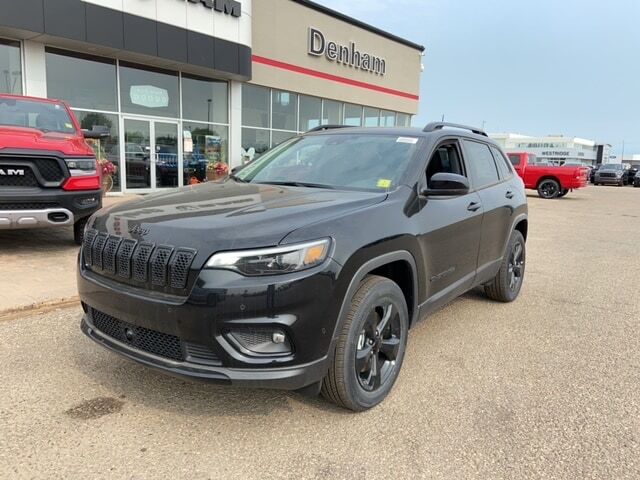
(331, 112)
(10, 67)
(371, 117)
(387, 118)
(205, 100)
(149, 91)
(403, 120)
(352, 115)
(82, 80)
(106, 149)
(278, 137)
(310, 112)
(209, 146)
(256, 106)
(285, 109)
(253, 138)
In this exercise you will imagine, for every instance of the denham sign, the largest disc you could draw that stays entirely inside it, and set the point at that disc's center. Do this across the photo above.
(347, 55)
(230, 7)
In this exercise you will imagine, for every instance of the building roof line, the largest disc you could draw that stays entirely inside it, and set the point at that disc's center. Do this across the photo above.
(358, 23)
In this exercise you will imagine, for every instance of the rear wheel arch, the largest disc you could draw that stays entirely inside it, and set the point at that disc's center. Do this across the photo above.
(522, 225)
(548, 177)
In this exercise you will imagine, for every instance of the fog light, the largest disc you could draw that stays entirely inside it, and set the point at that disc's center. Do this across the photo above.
(260, 341)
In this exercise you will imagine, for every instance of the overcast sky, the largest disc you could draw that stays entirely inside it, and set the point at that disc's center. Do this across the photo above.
(535, 67)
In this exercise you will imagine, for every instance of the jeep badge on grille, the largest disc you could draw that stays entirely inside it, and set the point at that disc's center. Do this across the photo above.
(138, 230)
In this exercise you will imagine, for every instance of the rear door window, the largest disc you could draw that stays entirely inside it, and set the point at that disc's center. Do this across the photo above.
(481, 165)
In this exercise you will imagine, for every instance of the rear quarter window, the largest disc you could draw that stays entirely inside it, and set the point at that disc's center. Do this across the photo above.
(504, 165)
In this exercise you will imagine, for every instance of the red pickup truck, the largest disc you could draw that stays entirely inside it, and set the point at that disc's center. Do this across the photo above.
(49, 176)
(550, 181)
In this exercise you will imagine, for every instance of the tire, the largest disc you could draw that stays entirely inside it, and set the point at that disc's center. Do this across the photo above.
(549, 188)
(78, 230)
(507, 283)
(563, 193)
(377, 300)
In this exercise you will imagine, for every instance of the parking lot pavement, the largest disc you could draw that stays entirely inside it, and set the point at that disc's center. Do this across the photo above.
(546, 387)
(37, 266)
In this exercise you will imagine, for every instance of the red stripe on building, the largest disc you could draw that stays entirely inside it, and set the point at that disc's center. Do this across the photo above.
(333, 78)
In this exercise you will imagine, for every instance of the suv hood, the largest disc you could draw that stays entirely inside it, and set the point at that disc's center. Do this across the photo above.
(227, 216)
(34, 139)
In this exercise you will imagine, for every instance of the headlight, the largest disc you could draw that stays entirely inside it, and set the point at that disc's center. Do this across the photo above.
(273, 261)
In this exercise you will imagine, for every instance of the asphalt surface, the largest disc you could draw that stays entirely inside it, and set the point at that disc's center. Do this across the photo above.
(546, 387)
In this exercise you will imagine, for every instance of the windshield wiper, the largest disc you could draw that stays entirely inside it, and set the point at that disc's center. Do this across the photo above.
(299, 184)
(237, 179)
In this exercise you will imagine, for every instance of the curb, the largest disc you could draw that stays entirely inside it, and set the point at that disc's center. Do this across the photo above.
(39, 307)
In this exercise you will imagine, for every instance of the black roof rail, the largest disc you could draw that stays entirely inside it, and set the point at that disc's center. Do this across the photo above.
(321, 128)
(433, 126)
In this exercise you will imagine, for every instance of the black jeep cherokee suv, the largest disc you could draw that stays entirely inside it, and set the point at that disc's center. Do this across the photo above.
(306, 269)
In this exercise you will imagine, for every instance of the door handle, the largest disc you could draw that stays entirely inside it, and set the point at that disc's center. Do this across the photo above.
(509, 195)
(474, 206)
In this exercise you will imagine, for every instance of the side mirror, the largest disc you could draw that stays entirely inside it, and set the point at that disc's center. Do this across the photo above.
(447, 184)
(97, 132)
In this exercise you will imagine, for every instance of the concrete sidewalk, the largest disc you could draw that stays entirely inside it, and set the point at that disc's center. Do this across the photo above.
(37, 267)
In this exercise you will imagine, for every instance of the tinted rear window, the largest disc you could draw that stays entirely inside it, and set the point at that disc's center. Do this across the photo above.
(514, 159)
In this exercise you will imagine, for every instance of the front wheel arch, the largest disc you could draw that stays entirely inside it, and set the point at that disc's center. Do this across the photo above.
(379, 264)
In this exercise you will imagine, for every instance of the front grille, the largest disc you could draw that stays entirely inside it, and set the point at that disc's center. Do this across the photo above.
(152, 341)
(143, 264)
(50, 169)
(28, 206)
(607, 174)
(26, 180)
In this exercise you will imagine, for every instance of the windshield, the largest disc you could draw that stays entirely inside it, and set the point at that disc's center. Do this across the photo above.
(44, 116)
(352, 161)
(611, 166)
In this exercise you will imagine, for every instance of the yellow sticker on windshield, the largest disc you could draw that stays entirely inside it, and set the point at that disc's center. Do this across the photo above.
(384, 183)
(68, 125)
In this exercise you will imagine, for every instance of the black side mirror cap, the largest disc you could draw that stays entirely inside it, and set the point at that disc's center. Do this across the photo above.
(447, 184)
(97, 132)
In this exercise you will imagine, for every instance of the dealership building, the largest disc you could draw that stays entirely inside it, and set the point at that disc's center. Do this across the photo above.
(187, 85)
(556, 149)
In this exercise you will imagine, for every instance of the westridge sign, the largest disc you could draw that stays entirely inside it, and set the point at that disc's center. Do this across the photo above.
(347, 55)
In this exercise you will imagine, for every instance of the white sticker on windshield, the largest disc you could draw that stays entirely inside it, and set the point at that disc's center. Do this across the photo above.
(411, 140)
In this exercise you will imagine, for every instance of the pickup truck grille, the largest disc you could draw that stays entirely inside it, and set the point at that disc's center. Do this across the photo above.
(26, 180)
(608, 175)
(38, 171)
(142, 264)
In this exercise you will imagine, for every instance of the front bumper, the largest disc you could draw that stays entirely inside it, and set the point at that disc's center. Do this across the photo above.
(302, 305)
(285, 378)
(35, 208)
(608, 180)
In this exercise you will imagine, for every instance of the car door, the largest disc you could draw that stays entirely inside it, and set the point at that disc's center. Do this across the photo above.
(498, 196)
(449, 230)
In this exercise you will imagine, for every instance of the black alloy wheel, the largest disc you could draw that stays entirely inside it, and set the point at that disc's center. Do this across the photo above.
(549, 189)
(506, 285)
(516, 266)
(370, 347)
(378, 347)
